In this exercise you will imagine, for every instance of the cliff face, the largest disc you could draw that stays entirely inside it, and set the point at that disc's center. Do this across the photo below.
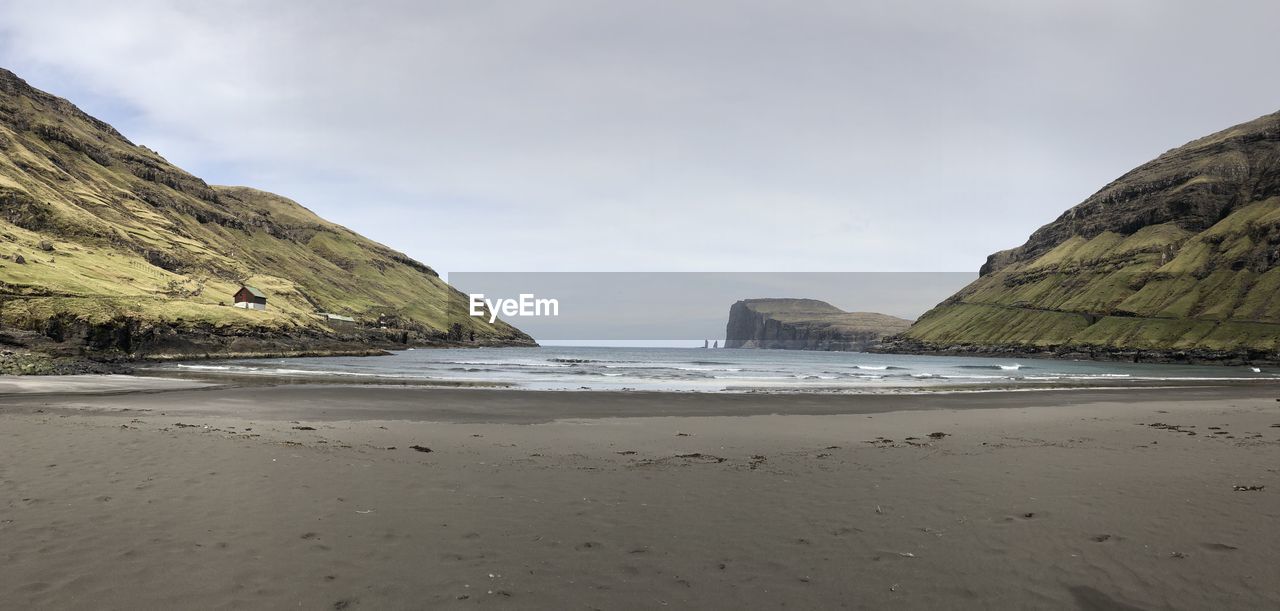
(805, 324)
(107, 248)
(1175, 260)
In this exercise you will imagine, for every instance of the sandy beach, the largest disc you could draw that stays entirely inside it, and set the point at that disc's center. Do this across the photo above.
(334, 497)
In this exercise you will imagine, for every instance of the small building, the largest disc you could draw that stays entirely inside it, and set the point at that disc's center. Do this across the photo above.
(250, 298)
(338, 320)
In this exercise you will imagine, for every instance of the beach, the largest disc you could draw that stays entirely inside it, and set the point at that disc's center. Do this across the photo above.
(386, 497)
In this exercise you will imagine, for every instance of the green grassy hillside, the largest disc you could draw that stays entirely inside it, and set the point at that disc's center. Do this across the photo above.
(1176, 258)
(95, 230)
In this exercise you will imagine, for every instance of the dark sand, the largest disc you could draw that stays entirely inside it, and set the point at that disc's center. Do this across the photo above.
(289, 497)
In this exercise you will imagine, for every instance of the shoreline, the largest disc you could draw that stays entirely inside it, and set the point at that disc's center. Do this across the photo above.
(1096, 354)
(236, 378)
(55, 363)
(431, 403)
(164, 381)
(28, 353)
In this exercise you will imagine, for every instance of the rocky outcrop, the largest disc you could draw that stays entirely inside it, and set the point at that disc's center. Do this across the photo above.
(805, 324)
(1240, 356)
(1175, 260)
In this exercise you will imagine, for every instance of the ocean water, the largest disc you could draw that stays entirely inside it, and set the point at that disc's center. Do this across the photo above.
(723, 370)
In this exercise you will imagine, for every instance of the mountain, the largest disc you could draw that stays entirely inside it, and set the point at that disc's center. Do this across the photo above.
(108, 249)
(805, 324)
(1174, 261)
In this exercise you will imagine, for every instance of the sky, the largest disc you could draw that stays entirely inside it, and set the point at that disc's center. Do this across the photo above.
(579, 135)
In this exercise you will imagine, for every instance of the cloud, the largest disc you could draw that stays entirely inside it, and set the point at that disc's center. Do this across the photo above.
(577, 135)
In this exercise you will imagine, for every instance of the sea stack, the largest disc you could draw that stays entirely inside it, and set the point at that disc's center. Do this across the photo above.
(806, 324)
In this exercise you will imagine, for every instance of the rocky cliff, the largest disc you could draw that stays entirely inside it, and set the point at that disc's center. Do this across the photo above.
(1173, 261)
(108, 250)
(805, 324)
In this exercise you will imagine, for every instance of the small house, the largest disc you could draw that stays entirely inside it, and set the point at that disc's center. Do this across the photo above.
(338, 320)
(250, 298)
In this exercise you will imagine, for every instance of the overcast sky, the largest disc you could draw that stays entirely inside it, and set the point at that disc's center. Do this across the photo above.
(582, 135)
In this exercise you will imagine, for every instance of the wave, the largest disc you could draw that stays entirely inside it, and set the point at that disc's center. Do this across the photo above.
(1080, 376)
(502, 363)
(669, 366)
(641, 366)
(1013, 367)
(755, 377)
(698, 371)
(977, 377)
(320, 372)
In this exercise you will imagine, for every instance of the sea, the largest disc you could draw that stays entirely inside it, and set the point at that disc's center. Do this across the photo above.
(721, 370)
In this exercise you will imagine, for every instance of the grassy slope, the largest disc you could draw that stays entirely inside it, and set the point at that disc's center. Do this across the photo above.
(133, 236)
(1171, 285)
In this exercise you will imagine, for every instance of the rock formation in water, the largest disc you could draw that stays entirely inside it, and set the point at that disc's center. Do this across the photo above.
(805, 324)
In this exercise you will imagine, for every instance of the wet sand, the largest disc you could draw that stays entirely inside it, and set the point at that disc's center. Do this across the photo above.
(92, 384)
(314, 497)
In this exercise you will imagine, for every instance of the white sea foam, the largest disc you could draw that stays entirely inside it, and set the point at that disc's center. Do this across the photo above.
(680, 369)
(505, 363)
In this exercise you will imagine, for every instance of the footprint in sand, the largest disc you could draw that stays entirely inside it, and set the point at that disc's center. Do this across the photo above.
(1219, 547)
(1025, 516)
